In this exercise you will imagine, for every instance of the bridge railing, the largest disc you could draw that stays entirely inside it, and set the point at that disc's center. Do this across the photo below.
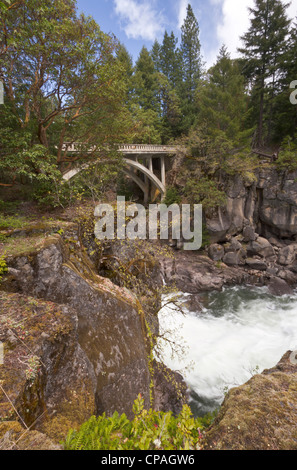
(125, 148)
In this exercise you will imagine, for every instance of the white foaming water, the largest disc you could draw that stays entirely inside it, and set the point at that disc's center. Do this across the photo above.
(241, 332)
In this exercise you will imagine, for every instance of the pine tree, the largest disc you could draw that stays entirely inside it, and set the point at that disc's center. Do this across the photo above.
(147, 105)
(264, 47)
(286, 123)
(190, 51)
(146, 81)
(169, 59)
(156, 55)
(222, 101)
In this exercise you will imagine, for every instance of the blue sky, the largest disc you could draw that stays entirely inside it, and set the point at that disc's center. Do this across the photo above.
(138, 22)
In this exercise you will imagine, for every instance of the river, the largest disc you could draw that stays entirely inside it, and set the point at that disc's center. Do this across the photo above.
(240, 332)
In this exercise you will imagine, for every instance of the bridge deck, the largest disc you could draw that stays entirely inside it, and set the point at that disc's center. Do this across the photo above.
(136, 149)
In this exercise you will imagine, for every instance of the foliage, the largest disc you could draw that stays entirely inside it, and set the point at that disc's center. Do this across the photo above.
(172, 196)
(149, 430)
(222, 101)
(265, 44)
(91, 183)
(11, 222)
(287, 158)
(3, 267)
(63, 82)
(33, 367)
(204, 191)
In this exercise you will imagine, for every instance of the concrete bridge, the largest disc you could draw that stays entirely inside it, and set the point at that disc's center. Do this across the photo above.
(146, 165)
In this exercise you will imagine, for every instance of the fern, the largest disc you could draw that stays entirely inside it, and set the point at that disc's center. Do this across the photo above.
(149, 430)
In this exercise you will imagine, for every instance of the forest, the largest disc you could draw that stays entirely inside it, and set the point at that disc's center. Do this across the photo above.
(65, 80)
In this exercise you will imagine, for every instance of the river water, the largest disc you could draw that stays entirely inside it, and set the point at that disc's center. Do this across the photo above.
(240, 332)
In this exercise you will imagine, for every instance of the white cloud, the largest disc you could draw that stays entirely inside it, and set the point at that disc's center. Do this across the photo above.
(182, 12)
(234, 22)
(140, 19)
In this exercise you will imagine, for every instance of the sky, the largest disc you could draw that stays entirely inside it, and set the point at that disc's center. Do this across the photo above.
(137, 23)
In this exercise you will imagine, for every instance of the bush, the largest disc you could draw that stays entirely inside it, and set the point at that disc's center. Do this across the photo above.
(149, 430)
(204, 191)
(172, 197)
(3, 267)
(287, 159)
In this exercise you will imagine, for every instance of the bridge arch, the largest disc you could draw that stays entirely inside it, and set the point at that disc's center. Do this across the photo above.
(133, 167)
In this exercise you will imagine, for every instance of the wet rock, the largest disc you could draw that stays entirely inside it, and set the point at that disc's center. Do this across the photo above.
(168, 385)
(279, 287)
(194, 303)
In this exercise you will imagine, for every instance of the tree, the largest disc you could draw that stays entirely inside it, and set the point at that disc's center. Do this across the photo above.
(190, 51)
(63, 83)
(147, 106)
(222, 101)
(264, 46)
(156, 55)
(170, 64)
(286, 122)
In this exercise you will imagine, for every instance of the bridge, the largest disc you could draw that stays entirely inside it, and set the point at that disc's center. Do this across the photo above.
(146, 165)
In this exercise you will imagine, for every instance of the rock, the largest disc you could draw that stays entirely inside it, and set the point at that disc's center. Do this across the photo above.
(233, 246)
(232, 259)
(287, 255)
(216, 252)
(294, 267)
(260, 247)
(168, 385)
(14, 437)
(194, 303)
(249, 234)
(195, 273)
(259, 415)
(279, 287)
(110, 328)
(257, 264)
(275, 242)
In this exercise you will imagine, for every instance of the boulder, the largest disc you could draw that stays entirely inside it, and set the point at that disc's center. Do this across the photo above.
(216, 252)
(110, 326)
(232, 259)
(249, 234)
(259, 415)
(233, 246)
(287, 255)
(279, 287)
(257, 264)
(260, 247)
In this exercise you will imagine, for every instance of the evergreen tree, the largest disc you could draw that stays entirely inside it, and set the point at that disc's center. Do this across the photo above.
(146, 82)
(222, 101)
(190, 51)
(156, 55)
(286, 123)
(169, 59)
(126, 61)
(264, 47)
(148, 108)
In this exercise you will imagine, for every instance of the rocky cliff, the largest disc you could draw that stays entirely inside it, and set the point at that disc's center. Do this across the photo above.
(261, 414)
(75, 344)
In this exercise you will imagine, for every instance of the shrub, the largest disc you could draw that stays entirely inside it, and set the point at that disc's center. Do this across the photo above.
(172, 197)
(149, 430)
(3, 267)
(287, 159)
